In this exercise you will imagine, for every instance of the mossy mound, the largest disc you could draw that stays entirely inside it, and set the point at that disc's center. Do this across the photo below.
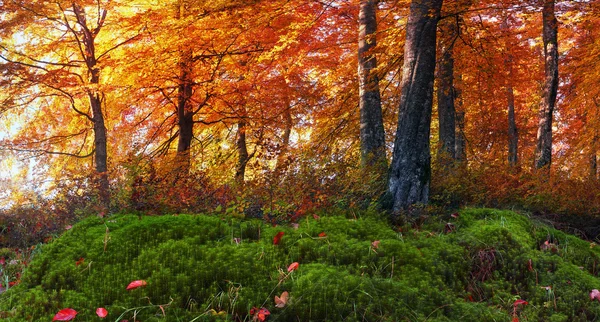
(471, 268)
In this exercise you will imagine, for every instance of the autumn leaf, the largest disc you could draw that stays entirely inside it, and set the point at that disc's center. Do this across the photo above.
(455, 215)
(293, 266)
(277, 238)
(2, 261)
(79, 261)
(322, 234)
(281, 301)
(515, 319)
(375, 244)
(65, 315)
(263, 313)
(595, 294)
(101, 312)
(136, 284)
(520, 302)
(316, 217)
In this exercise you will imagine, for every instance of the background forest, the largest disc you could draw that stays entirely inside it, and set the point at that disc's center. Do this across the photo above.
(256, 108)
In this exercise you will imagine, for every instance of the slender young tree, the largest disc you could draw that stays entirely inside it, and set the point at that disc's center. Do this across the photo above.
(410, 171)
(372, 135)
(446, 93)
(543, 151)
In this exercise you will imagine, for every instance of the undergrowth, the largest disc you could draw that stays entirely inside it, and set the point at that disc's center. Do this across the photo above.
(352, 267)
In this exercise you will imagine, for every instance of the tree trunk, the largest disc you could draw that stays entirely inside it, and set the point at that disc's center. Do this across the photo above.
(513, 135)
(543, 151)
(372, 135)
(100, 141)
(461, 141)
(281, 163)
(242, 150)
(410, 171)
(446, 93)
(185, 115)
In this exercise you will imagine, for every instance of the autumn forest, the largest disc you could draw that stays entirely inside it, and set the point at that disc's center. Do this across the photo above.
(273, 108)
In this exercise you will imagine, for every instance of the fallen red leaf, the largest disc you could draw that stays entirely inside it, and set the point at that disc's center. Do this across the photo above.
(595, 294)
(262, 314)
(515, 319)
(455, 215)
(65, 315)
(281, 301)
(322, 234)
(293, 266)
(375, 244)
(136, 284)
(2, 261)
(316, 216)
(79, 261)
(277, 238)
(101, 312)
(520, 302)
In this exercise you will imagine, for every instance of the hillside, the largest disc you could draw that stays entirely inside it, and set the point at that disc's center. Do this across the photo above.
(478, 265)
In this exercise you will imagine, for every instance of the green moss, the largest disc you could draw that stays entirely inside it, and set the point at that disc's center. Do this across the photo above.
(196, 266)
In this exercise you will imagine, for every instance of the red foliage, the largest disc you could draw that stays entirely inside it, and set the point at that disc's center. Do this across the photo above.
(65, 315)
(277, 238)
(136, 284)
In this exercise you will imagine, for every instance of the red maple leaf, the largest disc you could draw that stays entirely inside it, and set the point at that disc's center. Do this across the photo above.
(277, 238)
(101, 312)
(65, 315)
(322, 234)
(136, 284)
(293, 266)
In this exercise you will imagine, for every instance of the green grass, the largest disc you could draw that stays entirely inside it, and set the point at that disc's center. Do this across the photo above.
(195, 269)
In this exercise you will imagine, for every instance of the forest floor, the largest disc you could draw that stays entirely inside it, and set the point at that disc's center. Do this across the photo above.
(474, 265)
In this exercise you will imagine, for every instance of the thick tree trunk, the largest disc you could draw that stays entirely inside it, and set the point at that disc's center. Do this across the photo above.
(372, 135)
(543, 151)
(242, 150)
(410, 171)
(446, 93)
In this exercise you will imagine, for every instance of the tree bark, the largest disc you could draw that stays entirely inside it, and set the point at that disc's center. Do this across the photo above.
(242, 150)
(513, 135)
(372, 135)
(543, 151)
(446, 94)
(461, 140)
(410, 171)
(100, 136)
(185, 115)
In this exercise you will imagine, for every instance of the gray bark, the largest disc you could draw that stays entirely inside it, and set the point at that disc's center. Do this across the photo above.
(461, 140)
(446, 94)
(372, 136)
(410, 171)
(543, 151)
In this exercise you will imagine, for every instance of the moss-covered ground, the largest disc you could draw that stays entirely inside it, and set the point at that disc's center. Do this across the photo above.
(352, 267)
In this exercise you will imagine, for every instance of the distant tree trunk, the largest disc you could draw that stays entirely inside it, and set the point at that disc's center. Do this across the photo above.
(100, 142)
(593, 174)
(461, 141)
(185, 115)
(242, 150)
(513, 135)
(410, 171)
(281, 163)
(372, 135)
(543, 151)
(446, 93)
